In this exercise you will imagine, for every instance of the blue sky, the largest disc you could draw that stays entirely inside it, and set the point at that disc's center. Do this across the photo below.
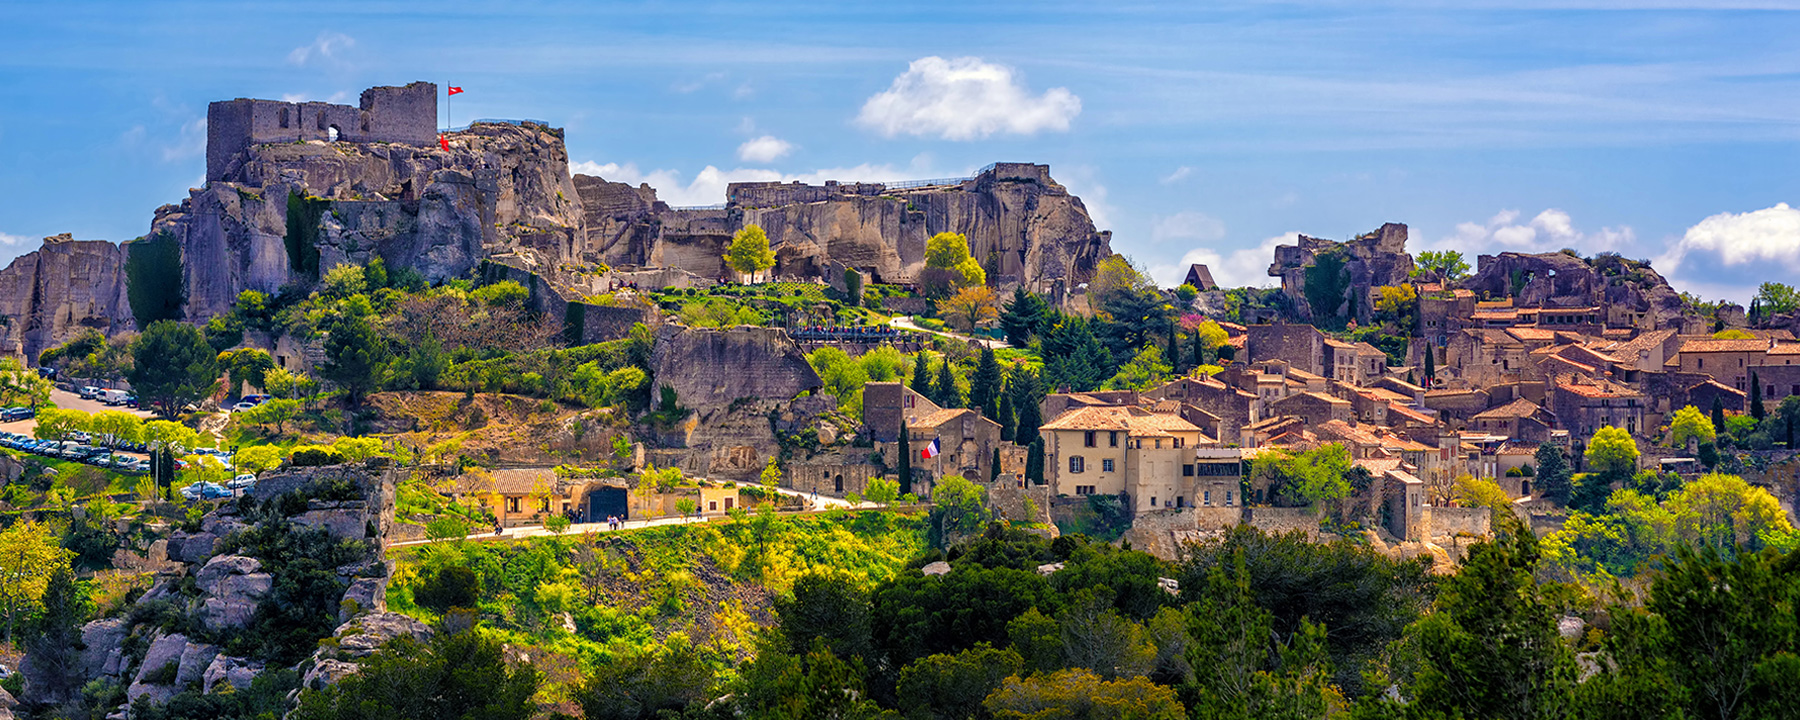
(1194, 131)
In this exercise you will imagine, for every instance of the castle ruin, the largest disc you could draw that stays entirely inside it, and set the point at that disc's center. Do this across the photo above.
(406, 115)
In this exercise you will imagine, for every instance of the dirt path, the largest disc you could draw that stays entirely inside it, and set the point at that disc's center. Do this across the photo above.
(904, 322)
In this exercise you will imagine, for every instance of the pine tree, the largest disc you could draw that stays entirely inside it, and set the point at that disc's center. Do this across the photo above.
(1026, 316)
(1790, 431)
(984, 385)
(1718, 416)
(1553, 474)
(1756, 401)
(1034, 462)
(948, 394)
(905, 469)
(55, 639)
(921, 380)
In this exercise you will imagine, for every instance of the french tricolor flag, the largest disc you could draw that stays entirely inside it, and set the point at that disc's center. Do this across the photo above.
(931, 450)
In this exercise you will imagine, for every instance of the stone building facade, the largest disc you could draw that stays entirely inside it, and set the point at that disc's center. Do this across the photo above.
(405, 115)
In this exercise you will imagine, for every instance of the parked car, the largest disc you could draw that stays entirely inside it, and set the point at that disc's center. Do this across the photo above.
(206, 490)
(48, 373)
(245, 405)
(88, 392)
(13, 414)
(81, 436)
(114, 396)
(243, 481)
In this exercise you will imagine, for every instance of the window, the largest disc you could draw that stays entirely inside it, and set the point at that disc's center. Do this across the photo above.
(1106, 465)
(284, 117)
(1076, 463)
(1207, 498)
(1187, 470)
(1087, 438)
(1180, 501)
(1700, 362)
(1227, 498)
(1159, 443)
(839, 484)
(512, 504)
(1084, 489)
(1152, 501)
(712, 506)
(1112, 438)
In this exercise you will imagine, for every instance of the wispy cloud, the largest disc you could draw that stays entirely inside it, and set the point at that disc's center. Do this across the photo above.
(1246, 267)
(1548, 231)
(1180, 174)
(327, 49)
(965, 98)
(10, 241)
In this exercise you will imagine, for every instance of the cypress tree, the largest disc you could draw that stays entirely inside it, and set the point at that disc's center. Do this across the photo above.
(1790, 431)
(1034, 462)
(1174, 354)
(994, 467)
(921, 381)
(1553, 473)
(1006, 419)
(948, 394)
(984, 385)
(1199, 351)
(905, 469)
(1718, 416)
(1756, 401)
(1430, 364)
(1025, 402)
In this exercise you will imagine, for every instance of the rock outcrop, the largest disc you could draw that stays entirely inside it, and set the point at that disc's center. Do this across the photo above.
(51, 294)
(231, 586)
(1022, 225)
(357, 639)
(1628, 292)
(283, 212)
(1369, 260)
(714, 367)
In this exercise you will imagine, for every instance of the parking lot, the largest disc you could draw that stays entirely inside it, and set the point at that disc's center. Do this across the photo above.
(72, 401)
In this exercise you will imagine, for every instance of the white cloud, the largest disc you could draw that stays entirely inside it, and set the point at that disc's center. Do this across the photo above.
(1549, 231)
(965, 99)
(1181, 173)
(1246, 267)
(765, 149)
(1188, 227)
(1770, 236)
(694, 85)
(12, 241)
(327, 49)
(190, 143)
(708, 185)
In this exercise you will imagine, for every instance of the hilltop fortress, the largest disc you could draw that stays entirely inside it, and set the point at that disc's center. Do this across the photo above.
(296, 188)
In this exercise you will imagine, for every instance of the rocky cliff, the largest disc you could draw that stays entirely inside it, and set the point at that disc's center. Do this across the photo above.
(713, 368)
(49, 295)
(1370, 260)
(1022, 225)
(286, 212)
(1628, 292)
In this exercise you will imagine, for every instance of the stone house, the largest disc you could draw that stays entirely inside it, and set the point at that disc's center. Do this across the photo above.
(966, 443)
(1520, 420)
(1233, 407)
(1727, 361)
(1780, 372)
(885, 404)
(1302, 346)
(1457, 404)
(1314, 407)
(1357, 364)
(1147, 457)
(1583, 405)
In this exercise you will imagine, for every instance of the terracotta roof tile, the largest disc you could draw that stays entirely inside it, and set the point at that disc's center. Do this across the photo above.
(1706, 346)
(1515, 409)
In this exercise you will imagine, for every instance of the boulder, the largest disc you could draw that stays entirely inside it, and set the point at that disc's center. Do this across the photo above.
(165, 651)
(192, 548)
(365, 595)
(236, 671)
(102, 653)
(327, 672)
(7, 703)
(364, 635)
(231, 587)
(195, 658)
(1370, 260)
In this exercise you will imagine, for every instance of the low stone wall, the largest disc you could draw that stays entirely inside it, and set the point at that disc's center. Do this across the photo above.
(1453, 521)
(1274, 520)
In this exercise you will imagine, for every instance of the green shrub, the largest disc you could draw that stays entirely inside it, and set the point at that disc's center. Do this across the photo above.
(454, 586)
(316, 456)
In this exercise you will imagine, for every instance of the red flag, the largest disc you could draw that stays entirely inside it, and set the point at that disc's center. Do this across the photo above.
(444, 142)
(454, 89)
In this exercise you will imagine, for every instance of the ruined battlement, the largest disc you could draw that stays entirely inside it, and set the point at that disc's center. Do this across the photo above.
(406, 115)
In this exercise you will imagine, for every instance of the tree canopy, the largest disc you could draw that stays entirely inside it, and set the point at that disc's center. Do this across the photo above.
(749, 251)
(172, 366)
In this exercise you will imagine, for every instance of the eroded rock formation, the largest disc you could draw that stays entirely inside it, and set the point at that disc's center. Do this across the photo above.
(1369, 260)
(1022, 225)
(1628, 292)
(51, 294)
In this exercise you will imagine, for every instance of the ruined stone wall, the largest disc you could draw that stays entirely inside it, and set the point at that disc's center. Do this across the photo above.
(387, 114)
(1275, 520)
(1452, 521)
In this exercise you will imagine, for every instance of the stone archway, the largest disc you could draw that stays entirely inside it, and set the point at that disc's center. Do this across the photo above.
(332, 134)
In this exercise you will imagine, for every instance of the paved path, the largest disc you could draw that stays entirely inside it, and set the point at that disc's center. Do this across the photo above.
(822, 502)
(904, 322)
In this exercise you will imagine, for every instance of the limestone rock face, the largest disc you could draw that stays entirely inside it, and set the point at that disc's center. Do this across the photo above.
(238, 672)
(231, 586)
(7, 703)
(1370, 260)
(285, 211)
(713, 367)
(370, 596)
(51, 294)
(191, 548)
(164, 651)
(1629, 293)
(360, 638)
(1022, 226)
(101, 654)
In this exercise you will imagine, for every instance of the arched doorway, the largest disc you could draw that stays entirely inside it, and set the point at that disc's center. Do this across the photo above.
(332, 134)
(608, 501)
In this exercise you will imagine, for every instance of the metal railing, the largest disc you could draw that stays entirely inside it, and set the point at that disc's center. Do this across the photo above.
(715, 206)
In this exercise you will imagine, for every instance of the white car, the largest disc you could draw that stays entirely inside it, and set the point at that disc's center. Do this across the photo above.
(246, 405)
(242, 482)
